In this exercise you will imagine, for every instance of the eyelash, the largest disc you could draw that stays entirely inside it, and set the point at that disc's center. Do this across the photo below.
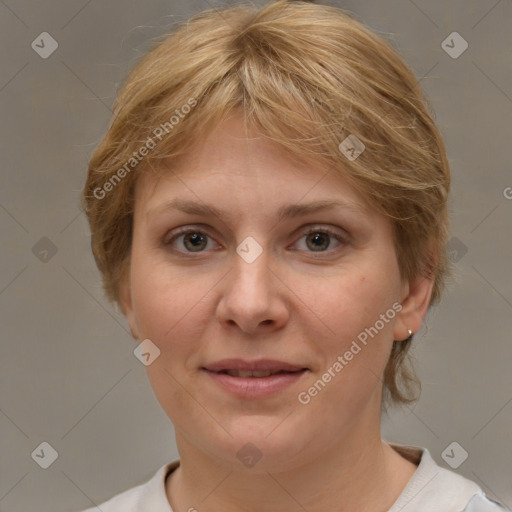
(315, 229)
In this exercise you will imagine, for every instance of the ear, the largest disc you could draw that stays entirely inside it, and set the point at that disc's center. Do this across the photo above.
(125, 295)
(415, 301)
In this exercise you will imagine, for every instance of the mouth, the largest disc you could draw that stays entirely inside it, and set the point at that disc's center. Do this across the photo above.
(256, 374)
(256, 368)
(254, 379)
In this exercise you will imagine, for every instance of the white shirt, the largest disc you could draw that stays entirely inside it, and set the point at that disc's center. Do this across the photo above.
(431, 489)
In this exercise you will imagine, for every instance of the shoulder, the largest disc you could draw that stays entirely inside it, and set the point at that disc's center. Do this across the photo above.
(433, 488)
(150, 495)
(481, 503)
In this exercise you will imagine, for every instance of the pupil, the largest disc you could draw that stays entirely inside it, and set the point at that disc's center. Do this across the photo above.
(196, 239)
(318, 237)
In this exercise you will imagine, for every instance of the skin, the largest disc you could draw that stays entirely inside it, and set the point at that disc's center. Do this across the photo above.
(299, 302)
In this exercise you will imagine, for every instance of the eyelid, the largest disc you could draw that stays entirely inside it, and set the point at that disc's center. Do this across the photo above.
(324, 228)
(172, 235)
(338, 233)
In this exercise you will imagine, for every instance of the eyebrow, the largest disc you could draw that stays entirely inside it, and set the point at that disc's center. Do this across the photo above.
(285, 212)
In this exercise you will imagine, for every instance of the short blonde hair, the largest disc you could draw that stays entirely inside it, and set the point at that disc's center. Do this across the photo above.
(307, 76)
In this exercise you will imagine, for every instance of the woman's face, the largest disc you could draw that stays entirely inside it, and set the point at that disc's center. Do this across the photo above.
(257, 286)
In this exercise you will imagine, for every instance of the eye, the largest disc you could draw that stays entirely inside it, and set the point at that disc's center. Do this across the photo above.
(193, 240)
(320, 239)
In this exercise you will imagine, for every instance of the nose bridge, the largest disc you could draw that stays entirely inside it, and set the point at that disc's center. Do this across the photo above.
(250, 295)
(250, 277)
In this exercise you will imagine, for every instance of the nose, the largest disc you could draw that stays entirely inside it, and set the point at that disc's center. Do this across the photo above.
(253, 296)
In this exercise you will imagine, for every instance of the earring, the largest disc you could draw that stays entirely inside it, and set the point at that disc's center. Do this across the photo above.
(409, 338)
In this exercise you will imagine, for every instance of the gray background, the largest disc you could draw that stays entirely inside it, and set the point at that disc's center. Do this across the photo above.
(68, 373)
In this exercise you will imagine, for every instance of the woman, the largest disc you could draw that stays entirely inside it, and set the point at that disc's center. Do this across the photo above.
(269, 211)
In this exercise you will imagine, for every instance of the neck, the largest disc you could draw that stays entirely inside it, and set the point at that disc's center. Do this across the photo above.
(356, 472)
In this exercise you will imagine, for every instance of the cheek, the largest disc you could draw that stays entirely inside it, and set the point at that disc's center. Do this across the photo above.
(171, 314)
(152, 302)
(354, 357)
(169, 308)
(351, 309)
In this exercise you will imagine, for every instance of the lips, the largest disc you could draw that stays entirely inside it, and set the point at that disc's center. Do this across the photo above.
(254, 380)
(259, 368)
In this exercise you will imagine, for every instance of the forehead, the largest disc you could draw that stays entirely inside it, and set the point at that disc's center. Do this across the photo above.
(238, 160)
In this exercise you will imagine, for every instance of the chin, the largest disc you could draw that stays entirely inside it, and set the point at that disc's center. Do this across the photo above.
(260, 444)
